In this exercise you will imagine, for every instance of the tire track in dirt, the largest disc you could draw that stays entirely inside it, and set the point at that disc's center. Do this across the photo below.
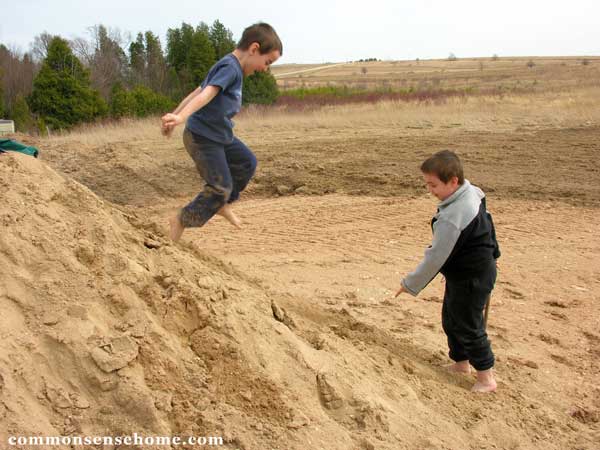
(330, 227)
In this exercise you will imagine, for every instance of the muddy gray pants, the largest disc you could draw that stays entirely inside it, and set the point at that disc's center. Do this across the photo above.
(226, 170)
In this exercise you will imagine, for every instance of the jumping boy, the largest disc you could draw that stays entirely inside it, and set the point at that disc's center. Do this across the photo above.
(464, 250)
(223, 161)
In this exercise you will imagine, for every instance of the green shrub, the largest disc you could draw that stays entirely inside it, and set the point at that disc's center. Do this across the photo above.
(146, 102)
(260, 88)
(121, 103)
(21, 115)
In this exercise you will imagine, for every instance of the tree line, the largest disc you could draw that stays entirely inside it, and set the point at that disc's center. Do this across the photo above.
(62, 83)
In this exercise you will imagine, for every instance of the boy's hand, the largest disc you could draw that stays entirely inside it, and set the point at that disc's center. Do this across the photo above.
(166, 130)
(171, 120)
(400, 291)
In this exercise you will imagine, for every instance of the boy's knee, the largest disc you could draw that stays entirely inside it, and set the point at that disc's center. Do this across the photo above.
(222, 192)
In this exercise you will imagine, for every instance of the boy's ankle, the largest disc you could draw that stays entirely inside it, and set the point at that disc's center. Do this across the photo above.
(485, 381)
(460, 367)
(485, 375)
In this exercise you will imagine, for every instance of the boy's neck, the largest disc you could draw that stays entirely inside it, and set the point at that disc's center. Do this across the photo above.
(241, 56)
(453, 192)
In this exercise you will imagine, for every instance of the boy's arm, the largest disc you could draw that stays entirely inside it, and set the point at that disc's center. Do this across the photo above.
(445, 236)
(192, 103)
(186, 100)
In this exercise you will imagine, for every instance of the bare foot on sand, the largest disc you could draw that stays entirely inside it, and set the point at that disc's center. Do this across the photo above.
(460, 367)
(485, 382)
(175, 228)
(226, 212)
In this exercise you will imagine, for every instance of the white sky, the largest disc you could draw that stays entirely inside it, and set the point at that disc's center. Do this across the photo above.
(334, 31)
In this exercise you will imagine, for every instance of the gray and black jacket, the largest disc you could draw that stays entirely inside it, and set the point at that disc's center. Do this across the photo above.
(464, 240)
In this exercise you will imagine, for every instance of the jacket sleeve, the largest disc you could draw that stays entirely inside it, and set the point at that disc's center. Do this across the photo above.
(496, 253)
(445, 236)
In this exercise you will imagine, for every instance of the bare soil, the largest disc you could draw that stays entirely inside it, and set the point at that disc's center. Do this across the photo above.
(285, 334)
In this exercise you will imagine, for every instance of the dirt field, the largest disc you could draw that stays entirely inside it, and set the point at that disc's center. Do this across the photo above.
(285, 334)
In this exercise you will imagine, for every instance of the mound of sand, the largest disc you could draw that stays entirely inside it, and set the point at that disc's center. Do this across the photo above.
(109, 329)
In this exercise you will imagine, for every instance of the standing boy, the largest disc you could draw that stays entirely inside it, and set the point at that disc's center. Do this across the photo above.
(223, 161)
(464, 250)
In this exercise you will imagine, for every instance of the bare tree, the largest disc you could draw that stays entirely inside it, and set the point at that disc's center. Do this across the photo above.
(18, 71)
(104, 55)
(83, 49)
(39, 48)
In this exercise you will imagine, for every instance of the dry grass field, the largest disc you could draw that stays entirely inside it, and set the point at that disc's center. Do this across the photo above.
(285, 334)
(482, 73)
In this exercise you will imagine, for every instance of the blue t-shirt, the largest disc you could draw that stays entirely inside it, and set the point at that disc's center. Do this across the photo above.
(213, 121)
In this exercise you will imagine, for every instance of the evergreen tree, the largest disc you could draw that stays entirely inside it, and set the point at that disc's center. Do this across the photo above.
(176, 51)
(179, 41)
(156, 68)
(191, 53)
(147, 62)
(62, 95)
(21, 115)
(260, 88)
(137, 60)
(221, 39)
(201, 55)
(174, 86)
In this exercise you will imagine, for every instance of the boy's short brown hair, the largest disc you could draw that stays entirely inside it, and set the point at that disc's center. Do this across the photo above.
(265, 35)
(445, 165)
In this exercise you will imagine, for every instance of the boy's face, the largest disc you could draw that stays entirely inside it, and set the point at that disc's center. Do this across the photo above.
(258, 62)
(438, 188)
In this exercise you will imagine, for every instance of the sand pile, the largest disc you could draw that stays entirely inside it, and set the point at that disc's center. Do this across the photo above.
(106, 328)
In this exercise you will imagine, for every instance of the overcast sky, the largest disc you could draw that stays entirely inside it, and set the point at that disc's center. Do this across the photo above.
(334, 31)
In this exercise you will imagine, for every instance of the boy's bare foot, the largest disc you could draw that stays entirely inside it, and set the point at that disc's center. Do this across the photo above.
(460, 367)
(226, 212)
(485, 382)
(175, 228)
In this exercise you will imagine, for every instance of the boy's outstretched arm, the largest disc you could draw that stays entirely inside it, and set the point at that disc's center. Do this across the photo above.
(445, 236)
(192, 103)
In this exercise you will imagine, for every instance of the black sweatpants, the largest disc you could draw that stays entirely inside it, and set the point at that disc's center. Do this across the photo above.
(462, 317)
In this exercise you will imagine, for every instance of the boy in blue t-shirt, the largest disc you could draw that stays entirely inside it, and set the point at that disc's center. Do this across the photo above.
(223, 161)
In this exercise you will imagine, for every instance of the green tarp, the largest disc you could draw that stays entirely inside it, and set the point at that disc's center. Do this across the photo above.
(8, 145)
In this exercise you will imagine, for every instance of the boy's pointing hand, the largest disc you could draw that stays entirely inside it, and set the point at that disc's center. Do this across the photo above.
(400, 291)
